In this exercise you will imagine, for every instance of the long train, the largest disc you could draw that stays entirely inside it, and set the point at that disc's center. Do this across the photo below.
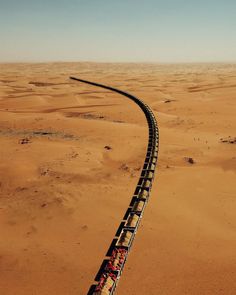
(112, 267)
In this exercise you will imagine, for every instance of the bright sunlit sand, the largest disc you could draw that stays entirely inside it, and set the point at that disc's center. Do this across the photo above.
(63, 192)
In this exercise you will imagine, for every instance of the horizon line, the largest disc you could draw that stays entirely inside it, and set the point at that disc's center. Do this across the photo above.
(117, 62)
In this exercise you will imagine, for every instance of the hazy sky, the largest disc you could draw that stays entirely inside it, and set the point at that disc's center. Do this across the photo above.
(118, 30)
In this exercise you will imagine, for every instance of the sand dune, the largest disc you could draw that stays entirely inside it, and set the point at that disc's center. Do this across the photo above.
(63, 194)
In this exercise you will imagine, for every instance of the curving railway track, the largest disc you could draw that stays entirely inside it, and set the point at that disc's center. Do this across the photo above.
(112, 267)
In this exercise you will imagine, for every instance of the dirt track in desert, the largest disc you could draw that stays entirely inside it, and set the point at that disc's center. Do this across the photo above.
(70, 159)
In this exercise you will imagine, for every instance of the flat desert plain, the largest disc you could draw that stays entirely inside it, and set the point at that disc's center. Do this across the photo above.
(71, 155)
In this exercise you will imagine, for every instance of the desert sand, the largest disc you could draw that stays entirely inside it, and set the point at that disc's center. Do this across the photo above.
(71, 156)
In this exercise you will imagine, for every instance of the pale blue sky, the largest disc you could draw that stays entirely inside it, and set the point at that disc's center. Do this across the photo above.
(118, 30)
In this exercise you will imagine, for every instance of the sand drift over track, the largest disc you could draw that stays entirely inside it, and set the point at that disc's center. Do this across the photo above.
(112, 267)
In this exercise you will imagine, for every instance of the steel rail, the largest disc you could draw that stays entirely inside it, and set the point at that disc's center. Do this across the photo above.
(112, 267)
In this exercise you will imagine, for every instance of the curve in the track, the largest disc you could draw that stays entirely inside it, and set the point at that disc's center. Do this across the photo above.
(112, 267)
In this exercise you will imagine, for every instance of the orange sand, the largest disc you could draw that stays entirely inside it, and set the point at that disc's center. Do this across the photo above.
(63, 194)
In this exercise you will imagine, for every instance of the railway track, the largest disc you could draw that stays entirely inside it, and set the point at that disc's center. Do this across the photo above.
(113, 265)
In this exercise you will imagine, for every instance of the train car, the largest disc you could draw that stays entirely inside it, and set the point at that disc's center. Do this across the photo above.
(147, 184)
(147, 174)
(106, 284)
(132, 221)
(117, 261)
(125, 239)
(143, 194)
(151, 167)
(154, 160)
(138, 206)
